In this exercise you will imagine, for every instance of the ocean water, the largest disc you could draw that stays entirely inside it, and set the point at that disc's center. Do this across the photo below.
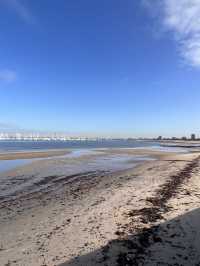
(43, 145)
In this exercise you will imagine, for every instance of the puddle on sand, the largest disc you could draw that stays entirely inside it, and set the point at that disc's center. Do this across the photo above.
(6, 165)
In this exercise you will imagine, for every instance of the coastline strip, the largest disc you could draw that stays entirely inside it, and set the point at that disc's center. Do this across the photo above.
(32, 154)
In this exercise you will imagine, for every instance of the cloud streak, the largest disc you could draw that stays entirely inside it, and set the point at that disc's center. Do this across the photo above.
(7, 75)
(21, 10)
(182, 18)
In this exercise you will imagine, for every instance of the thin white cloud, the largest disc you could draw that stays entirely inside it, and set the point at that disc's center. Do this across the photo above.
(20, 9)
(7, 75)
(182, 18)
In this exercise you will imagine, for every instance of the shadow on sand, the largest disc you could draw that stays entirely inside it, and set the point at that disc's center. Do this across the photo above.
(175, 242)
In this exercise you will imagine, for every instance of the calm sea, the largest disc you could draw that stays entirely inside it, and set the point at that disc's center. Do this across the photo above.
(43, 145)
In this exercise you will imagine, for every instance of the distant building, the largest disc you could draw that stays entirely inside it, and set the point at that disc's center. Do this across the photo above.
(184, 138)
(159, 138)
(193, 137)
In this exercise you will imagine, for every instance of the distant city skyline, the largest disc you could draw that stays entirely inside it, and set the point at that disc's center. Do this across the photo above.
(100, 68)
(13, 129)
(39, 135)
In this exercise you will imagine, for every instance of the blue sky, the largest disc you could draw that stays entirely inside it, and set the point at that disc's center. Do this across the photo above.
(109, 67)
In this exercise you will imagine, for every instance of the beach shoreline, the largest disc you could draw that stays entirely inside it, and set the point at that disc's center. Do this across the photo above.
(32, 154)
(100, 217)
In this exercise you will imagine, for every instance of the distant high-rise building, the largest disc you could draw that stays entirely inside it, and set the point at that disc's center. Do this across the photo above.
(193, 137)
(159, 138)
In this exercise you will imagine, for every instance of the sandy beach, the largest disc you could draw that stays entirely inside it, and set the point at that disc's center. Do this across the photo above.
(143, 215)
(31, 154)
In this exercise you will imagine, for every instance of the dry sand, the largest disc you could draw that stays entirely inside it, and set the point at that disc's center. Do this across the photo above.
(148, 215)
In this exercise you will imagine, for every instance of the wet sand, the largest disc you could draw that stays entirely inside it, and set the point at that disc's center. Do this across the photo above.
(148, 215)
(31, 155)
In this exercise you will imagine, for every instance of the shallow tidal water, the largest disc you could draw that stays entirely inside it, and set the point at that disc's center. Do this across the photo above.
(29, 175)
